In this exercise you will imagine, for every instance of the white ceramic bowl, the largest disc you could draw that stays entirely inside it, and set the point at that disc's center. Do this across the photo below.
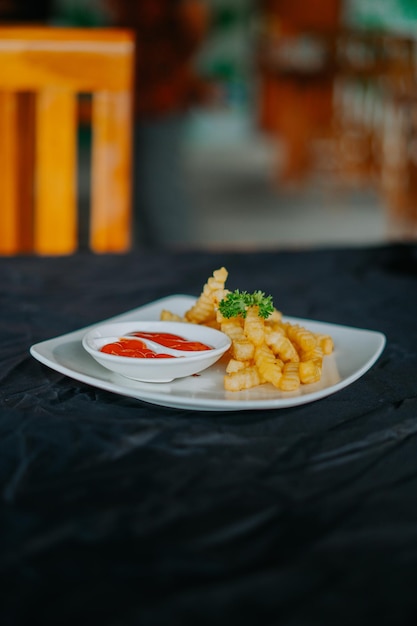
(159, 369)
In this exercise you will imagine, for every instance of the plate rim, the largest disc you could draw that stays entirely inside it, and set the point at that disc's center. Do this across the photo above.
(37, 350)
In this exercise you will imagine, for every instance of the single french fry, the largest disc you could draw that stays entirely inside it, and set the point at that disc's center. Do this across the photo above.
(235, 366)
(316, 354)
(269, 367)
(290, 379)
(168, 316)
(243, 379)
(232, 327)
(300, 336)
(243, 349)
(325, 342)
(254, 326)
(205, 307)
(309, 372)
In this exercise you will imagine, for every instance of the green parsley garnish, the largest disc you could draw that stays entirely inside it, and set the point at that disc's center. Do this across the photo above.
(237, 303)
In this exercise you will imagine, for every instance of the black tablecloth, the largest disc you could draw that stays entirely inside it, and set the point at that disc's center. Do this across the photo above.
(125, 513)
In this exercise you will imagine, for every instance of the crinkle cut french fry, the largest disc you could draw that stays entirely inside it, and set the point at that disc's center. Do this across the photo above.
(243, 349)
(290, 379)
(300, 336)
(235, 366)
(269, 367)
(243, 379)
(281, 346)
(232, 327)
(309, 372)
(254, 326)
(215, 295)
(316, 354)
(168, 316)
(325, 342)
(204, 309)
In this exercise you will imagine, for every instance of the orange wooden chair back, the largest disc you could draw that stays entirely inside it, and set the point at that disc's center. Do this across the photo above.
(43, 71)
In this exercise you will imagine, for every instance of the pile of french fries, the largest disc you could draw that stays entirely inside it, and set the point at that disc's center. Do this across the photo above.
(263, 350)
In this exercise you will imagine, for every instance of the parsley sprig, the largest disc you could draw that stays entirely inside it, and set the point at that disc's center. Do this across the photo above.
(237, 303)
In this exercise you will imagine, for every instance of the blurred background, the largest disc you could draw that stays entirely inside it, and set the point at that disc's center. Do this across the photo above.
(303, 131)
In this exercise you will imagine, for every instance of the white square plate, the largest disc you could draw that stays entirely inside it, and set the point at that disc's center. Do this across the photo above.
(356, 350)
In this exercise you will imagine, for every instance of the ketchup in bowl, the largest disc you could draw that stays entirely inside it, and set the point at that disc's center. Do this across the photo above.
(173, 341)
(138, 349)
(133, 348)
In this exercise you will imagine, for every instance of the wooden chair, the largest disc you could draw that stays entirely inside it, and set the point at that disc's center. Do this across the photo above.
(43, 72)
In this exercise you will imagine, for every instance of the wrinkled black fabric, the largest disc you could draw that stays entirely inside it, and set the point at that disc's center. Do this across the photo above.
(128, 514)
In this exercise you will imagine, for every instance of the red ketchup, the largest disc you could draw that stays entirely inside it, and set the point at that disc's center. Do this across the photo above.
(136, 348)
